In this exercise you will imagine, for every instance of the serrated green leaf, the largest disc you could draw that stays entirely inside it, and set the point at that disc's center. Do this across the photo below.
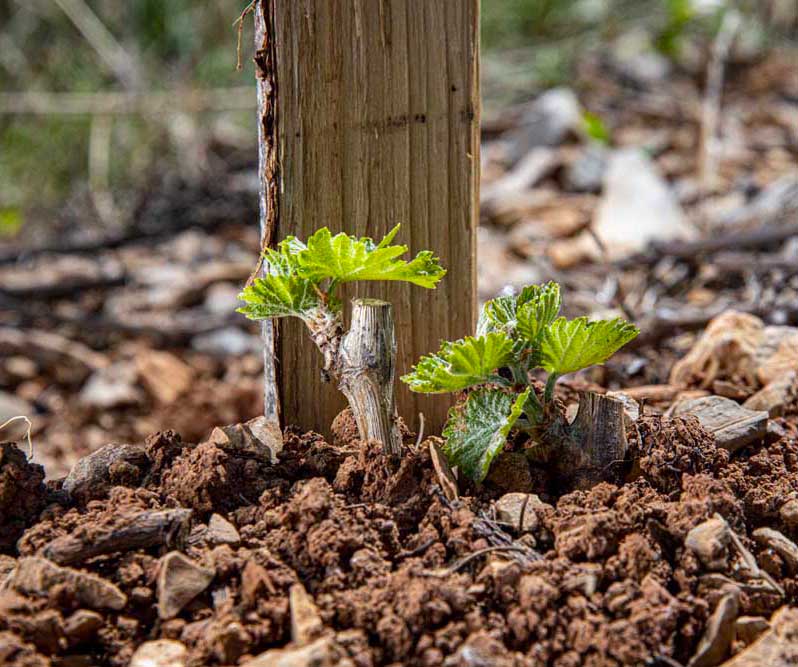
(277, 295)
(345, 258)
(539, 309)
(461, 364)
(497, 315)
(571, 345)
(477, 431)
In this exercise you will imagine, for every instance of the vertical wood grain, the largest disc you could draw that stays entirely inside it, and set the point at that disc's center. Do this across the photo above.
(377, 118)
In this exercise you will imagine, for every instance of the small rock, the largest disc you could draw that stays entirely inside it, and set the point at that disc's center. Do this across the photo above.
(321, 653)
(93, 475)
(748, 628)
(112, 387)
(229, 341)
(222, 298)
(82, 626)
(164, 375)
(783, 546)
(777, 647)
(788, 513)
(586, 173)
(732, 425)
(36, 576)
(258, 438)
(719, 633)
(547, 122)
(709, 541)
(221, 531)
(306, 624)
(637, 207)
(776, 396)
(180, 580)
(160, 653)
(517, 510)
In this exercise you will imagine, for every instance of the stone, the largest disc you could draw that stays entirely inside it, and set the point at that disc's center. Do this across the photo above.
(228, 341)
(776, 647)
(258, 438)
(221, 531)
(112, 387)
(93, 475)
(180, 580)
(36, 576)
(306, 623)
(776, 396)
(164, 376)
(782, 545)
(321, 653)
(82, 626)
(747, 629)
(160, 653)
(631, 408)
(733, 426)
(517, 510)
(719, 633)
(586, 172)
(637, 207)
(709, 541)
(547, 122)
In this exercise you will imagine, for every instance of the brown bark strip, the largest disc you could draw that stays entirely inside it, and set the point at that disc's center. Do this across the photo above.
(144, 530)
(268, 185)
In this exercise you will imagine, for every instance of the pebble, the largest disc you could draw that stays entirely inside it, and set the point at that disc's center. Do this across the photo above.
(160, 653)
(709, 541)
(180, 580)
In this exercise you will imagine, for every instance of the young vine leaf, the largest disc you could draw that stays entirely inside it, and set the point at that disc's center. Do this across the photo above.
(461, 364)
(477, 431)
(281, 292)
(539, 309)
(343, 258)
(571, 345)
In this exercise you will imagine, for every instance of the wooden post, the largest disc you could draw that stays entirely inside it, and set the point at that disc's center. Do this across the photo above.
(369, 116)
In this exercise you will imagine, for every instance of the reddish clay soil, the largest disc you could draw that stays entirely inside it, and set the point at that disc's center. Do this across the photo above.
(391, 571)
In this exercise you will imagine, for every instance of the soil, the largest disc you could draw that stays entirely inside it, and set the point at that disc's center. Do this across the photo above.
(394, 572)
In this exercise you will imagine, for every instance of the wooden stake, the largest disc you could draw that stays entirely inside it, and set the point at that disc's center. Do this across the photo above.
(369, 116)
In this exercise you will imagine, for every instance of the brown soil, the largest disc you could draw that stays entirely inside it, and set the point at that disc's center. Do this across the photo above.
(397, 573)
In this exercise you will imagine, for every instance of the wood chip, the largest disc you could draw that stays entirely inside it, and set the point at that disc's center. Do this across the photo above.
(445, 475)
(719, 633)
(306, 623)
(782, 545)
(776, 647)
(733, 426)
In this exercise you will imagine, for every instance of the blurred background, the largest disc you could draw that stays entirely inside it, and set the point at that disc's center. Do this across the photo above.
(644, 153)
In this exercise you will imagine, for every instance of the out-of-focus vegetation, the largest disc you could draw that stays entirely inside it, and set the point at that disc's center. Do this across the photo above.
(184, 45)
(168, 45)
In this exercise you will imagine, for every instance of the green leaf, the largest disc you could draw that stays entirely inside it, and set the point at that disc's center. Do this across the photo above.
(278, 295)
(540, 308)
(497, 315)
(461, 364)
(477, 431)
(345, 258)
(571, 345)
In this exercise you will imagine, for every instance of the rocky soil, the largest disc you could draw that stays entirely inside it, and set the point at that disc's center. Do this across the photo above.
(241, 550)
